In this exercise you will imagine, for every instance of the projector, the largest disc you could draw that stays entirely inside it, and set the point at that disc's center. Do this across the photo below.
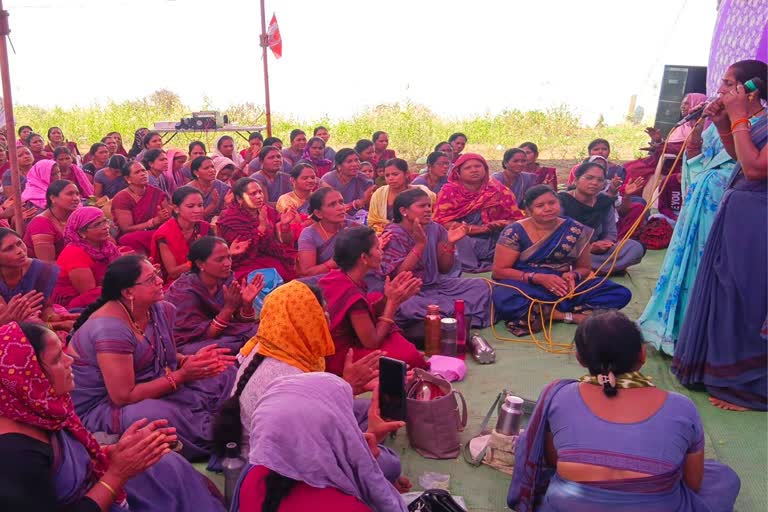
(207, 120)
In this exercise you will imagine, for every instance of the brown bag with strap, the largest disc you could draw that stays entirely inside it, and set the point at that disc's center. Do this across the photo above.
(434, 425)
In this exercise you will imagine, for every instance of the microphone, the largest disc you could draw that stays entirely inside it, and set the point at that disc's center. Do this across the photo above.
(699, 111)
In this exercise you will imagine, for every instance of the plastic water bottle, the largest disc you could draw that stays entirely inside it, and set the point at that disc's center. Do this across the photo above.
(233, 466)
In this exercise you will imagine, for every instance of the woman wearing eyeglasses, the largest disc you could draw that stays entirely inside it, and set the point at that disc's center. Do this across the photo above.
(88, 250)
(127, 368)
(588, 204)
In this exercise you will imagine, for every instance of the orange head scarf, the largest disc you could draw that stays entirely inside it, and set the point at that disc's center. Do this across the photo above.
(293, 328)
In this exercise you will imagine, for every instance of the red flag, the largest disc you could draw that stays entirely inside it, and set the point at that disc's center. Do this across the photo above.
(274, 41)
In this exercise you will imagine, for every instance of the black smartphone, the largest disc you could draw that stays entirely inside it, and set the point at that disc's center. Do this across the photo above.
(392, 389)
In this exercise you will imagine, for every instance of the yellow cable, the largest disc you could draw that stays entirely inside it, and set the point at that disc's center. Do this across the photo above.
(548, 345)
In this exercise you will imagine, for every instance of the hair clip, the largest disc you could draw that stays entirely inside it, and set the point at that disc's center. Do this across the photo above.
(610, 379)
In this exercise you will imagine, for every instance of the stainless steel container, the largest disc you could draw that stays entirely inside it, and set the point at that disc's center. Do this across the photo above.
(481, 350)
(510, 416)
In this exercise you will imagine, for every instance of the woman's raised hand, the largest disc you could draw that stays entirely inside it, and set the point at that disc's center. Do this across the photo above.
(457, 232)
(384, 238)
(404, 286)
(249, 291)
(654, 134)
(232, 297)
(418, 234)
(239, 246)
(718, 114)
(207, 362)
(634, 186)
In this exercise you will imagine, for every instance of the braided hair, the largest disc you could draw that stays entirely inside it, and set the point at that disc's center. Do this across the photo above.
(121, 274)
(227, 427)
(278, 487)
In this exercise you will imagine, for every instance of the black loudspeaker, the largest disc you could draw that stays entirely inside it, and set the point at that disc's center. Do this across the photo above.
(675, 84)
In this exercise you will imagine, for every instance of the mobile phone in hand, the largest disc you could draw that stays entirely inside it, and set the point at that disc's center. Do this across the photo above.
(392, 389)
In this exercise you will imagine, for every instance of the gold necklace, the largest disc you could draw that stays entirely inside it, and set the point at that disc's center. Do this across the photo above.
(325, 233)
(134, 324)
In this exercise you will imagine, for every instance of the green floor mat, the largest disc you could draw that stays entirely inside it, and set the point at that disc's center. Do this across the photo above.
(737, 439)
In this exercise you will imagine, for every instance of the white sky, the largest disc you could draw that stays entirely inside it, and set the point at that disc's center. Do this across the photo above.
(340, 56)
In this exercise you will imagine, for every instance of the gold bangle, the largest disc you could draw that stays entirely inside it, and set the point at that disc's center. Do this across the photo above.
(387, 320)
(108, 487)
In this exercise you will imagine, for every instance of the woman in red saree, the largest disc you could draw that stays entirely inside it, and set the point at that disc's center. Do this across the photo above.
(139, 209)
(249, 218)
(485, 205)
(171, 241)
(545, 175)
(84, 260)
(56, 140)
(36, 144)
(380, 152)
(358, 321)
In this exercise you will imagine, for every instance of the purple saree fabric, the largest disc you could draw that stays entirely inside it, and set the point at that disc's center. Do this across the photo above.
(170, 485)
(351, 191)
(195, 308)
(274, 188)
(720, 344)
(583, 437)
(190, 409)
(437, 288)
(475, 253)
(552, 255)
(40, 276)
(524, 181)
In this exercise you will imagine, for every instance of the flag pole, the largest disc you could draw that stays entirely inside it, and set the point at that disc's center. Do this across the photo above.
(266, 69)
(9, 121)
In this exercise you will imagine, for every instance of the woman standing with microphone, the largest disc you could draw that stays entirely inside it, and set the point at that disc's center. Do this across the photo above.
(722, 342)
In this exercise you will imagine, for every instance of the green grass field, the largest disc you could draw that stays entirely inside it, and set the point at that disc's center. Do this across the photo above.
(413, 129)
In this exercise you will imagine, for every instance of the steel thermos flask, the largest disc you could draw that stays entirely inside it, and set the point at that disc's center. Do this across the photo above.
(510, 415)
(481, 351)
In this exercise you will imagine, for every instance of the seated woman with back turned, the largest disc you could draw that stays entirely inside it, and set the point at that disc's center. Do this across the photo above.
(616, 442)
(315, 457)
(546, 256)
(357, 321)
(485, 205)
(293, 338)
(50, 461)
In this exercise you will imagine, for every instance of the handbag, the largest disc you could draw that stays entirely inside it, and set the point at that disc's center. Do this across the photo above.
(435, 500)
(434, 425)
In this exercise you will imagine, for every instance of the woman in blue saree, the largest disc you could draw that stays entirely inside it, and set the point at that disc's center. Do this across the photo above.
(723, 338)
(612, 441)
(127, 367)
(547, 256)
(706, 172)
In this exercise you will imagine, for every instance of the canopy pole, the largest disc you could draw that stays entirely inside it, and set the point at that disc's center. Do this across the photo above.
(264, 45)
(10, 124)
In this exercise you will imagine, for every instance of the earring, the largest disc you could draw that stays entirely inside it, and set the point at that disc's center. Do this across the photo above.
(405, 215)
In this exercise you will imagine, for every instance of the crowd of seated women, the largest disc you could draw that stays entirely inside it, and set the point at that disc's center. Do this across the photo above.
(145, 274)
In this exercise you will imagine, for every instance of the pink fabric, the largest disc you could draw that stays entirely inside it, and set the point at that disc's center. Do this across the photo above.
(173, 180)
(39, 177)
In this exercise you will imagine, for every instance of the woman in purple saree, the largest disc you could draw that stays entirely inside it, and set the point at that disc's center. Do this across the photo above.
(614, 442)
(127, 367)
(722, 342)
(428, 250)
(211, 307)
